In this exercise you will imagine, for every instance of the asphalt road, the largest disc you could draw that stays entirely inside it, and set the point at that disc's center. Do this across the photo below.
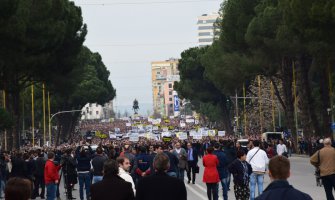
(302, 178)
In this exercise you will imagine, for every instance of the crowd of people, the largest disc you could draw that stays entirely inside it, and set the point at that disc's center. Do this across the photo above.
(143, 170)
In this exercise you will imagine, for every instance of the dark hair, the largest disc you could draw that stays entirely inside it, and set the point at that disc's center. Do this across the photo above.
(51, 155)
(210, 150)
(161, 162)
(217, 145)
(121, 159)
(99, 150)
(256, 143)
(111, 167)
(240, 153)
(18, 189)
(279, 166)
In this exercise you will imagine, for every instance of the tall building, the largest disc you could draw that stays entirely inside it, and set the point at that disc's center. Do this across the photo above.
(206, 28)
(164, 74)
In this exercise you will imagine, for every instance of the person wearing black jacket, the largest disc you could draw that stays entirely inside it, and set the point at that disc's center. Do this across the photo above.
(98, 164)
(192, 160)
(39, 176)
(69, 165)
(241, 171)
(279, 188)
(172, 171)
(17, 166)
(83, 155)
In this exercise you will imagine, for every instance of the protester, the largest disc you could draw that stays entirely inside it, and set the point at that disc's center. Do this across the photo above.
(160, 185)
(83, 156)
(324, 159)
(124, 166)
(39, 176)
(51, 176)
(69, 165)
(181, 154)
(18, 189)
(279, 188)
(112, 186)
(281, 149)
(98, 163)
(258, 160)
(192, 160)
(172, 171)
(241, 171)
(222, 169)
(211, 174)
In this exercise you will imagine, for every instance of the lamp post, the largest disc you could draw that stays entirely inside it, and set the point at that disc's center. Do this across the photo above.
(57, 113)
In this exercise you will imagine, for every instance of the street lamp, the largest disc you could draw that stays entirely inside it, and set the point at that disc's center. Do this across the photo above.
(57, 113)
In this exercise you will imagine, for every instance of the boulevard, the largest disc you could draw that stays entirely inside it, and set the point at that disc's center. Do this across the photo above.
(302, 178)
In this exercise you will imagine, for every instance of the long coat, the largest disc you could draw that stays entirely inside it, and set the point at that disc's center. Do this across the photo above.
(112, 187)
(211, 174)
(160, 186)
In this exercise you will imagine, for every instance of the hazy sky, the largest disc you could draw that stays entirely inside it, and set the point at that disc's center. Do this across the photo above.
(129, 34)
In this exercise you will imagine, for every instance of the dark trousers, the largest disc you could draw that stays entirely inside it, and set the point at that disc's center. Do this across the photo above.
(191, 167)
(39, 182)
(329, 185)
(212, 191)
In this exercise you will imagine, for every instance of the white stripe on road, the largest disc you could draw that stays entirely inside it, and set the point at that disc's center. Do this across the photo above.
(195, 192)
(198, 186)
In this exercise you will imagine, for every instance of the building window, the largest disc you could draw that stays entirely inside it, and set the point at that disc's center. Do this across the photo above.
(170, 93)
(158, 72)
(171, 105)
(97, 112)
(90, 112)
(170, 99)
(170, 85)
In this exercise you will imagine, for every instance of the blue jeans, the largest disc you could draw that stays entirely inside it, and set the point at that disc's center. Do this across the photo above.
(97, 179)
(228, 180)
(173, 174)
(181, 174)
(224, 183)
(2, 188)
(84, 178)
(259, 179)
(51, 191)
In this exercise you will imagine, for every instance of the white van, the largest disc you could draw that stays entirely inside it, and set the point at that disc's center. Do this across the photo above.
(272, 135)
(243, 142)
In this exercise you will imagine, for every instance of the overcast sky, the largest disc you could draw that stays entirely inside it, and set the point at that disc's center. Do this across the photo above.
(129, 34)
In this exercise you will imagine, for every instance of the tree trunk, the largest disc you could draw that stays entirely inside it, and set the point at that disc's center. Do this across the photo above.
(309, 120)
(286, 72)
(325, 99)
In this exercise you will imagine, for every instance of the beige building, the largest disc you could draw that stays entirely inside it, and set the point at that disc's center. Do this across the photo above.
(163, 75)
(206, 28)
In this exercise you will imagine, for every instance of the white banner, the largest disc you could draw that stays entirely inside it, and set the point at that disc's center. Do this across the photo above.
(189, 120)
(128, 124)
(134, 137)
(222, 133)
(182, 136)
(165, 129)
(155, 128)
(192, 133)
(166, 134)
(112, 135)
(182, 124)
(197, 135)
(196, 121)
(204, 133)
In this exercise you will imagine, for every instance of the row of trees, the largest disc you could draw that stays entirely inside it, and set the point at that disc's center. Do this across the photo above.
(288, 43)
(42, 44)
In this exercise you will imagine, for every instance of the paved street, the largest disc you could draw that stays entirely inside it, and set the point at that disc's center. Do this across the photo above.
(302, 178)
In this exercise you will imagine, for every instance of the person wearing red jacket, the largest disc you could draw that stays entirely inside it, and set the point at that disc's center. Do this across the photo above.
(51, 176)
(211, 174)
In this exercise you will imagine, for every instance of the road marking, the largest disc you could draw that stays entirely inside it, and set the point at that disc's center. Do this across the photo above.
(200, 187)
(195, 192)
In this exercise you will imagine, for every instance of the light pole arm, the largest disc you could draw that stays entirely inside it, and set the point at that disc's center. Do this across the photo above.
(61, 112)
